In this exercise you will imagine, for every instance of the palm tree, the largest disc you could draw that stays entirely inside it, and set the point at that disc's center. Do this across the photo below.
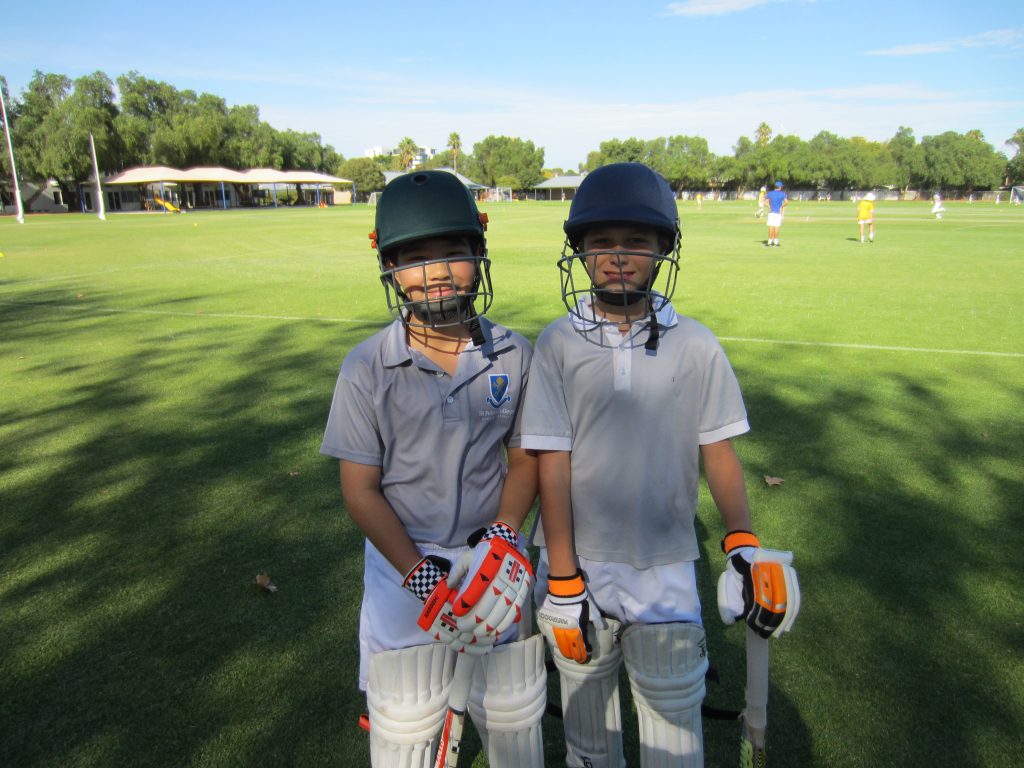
(407, 150)
(455, 145)
(764, 134)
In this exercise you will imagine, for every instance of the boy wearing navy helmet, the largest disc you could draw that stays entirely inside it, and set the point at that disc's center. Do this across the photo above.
(626, 399)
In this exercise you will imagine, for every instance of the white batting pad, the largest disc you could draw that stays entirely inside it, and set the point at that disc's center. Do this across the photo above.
(407, 695)
(591, 712)
(507, 702)
(666, 665)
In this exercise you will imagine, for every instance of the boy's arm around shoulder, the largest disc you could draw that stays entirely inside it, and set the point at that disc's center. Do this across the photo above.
(724, 474)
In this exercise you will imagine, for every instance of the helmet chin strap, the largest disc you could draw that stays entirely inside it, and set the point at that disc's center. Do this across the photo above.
(619, 298)
(450, 311)
(627, 299)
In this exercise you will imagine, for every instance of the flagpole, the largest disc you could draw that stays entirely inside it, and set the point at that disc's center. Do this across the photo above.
(10, 153)
(102, 213)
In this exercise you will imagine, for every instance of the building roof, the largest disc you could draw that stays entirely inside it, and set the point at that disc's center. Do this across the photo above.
(561, 182)
(161, 173)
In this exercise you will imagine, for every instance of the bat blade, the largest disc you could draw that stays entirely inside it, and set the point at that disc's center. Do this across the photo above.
(458, 695)
(755, 714)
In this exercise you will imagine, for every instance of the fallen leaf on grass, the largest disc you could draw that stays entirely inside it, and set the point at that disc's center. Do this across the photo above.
(294, 473)
(772, 481)
(263, 580)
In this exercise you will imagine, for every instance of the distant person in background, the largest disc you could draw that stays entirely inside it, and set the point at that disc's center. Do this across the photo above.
(866, 216)
(777, 201)
(760, 202)
(937, 208)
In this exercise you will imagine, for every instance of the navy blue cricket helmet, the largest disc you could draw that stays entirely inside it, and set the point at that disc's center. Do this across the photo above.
(621, 194)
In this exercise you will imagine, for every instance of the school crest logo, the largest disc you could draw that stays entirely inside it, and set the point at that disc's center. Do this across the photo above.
(499, 390)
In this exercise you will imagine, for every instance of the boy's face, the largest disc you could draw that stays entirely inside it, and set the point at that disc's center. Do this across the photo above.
(435, 268)
(438, 278)
(617, 257)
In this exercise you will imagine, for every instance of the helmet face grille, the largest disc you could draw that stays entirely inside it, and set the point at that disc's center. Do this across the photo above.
(456, 309)
(579, 294)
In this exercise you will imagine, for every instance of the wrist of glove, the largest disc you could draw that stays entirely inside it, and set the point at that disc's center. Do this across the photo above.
(759, 586)
(428, 581)
(495, 580)
(566, 616)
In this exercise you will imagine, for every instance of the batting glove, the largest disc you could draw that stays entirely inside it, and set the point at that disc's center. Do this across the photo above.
(758, 586)
(495, 580)
(566, 616)
(428, 581)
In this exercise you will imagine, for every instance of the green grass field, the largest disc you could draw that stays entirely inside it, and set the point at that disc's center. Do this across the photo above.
(166, 380)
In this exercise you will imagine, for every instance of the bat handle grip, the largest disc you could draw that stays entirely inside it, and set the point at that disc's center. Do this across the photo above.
(755, 715)
(462, 679)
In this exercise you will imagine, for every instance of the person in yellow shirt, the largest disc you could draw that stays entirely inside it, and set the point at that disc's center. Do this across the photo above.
(866, 216)
(760, 202)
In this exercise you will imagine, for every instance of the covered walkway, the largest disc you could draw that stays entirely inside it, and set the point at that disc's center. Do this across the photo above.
(162, 188)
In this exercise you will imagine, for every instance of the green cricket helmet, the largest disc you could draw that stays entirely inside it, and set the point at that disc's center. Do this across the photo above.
(428, 204)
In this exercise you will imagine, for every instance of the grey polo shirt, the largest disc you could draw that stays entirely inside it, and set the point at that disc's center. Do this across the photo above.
(439, 440)
(634, 421)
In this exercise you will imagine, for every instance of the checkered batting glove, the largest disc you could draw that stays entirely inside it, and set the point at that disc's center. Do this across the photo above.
(428, 582)
(495, 580)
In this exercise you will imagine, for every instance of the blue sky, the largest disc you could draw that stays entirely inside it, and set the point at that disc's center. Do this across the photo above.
(565, 75)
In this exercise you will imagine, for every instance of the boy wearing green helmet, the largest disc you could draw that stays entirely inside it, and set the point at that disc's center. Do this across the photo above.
(425, 423)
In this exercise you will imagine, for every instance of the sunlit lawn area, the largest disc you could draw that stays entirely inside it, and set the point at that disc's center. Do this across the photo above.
(166, 378)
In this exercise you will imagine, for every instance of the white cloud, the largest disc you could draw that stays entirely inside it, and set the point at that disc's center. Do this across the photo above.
(996, 38)
(712, 7)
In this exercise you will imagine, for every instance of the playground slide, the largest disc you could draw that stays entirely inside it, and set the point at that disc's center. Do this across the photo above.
(169, 206)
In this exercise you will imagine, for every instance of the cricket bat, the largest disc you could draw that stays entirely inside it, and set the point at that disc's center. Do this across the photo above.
(755, 714)
(458, 695)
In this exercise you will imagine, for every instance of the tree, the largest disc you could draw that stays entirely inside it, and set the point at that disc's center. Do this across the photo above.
(364, 172)
(55, 119)
(763, 134)
(407, 150)
(1015, 168)
(685, 162)
(908, 159)
(617, 151)
(144, 105)
(250, 142)
(455, 146)
(503, 156)
(961, 161)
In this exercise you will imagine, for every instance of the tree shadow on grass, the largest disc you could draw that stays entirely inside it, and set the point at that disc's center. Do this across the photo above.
(146, 487)
(900, 506)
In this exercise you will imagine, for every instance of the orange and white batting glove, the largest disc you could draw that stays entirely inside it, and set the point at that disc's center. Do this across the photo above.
(566, 615)
(495, 580)
(758, 586)
(428, 581)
